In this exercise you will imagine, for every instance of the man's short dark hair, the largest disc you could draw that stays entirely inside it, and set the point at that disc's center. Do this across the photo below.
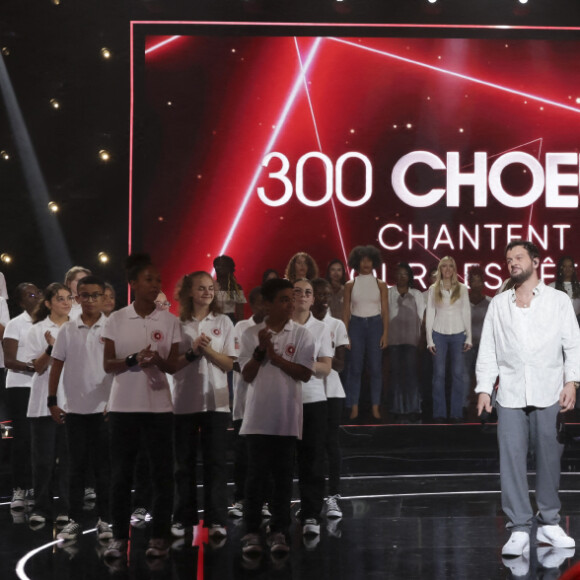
(91, 280)
(532, 249)
(270, 288)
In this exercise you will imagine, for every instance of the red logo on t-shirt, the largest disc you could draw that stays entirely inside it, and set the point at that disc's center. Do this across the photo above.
(237, 343)
(290, 349)
(216, 331)
(101, 340)
(157, 335)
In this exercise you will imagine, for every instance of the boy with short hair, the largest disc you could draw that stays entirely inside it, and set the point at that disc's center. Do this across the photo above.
(276, 357)
(78, 356)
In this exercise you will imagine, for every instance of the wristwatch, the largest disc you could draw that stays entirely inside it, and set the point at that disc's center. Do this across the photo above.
(576, 385)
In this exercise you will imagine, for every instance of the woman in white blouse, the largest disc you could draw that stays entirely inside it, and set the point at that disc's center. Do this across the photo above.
(448, 327)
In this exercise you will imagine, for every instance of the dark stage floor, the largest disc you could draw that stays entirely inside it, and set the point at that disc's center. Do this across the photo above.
(443, 524)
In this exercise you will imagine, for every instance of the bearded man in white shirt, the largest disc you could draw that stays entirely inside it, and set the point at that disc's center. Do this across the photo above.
(530, 339)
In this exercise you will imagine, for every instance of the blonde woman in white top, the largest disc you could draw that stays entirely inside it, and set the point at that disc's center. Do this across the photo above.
(448, 327)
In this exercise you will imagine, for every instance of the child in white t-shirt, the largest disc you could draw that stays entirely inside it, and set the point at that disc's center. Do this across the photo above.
(276, 357)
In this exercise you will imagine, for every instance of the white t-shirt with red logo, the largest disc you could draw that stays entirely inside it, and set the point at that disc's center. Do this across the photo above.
(137, 389)
(240, 386)
(274, 399)
(85, 383)
(201, 385)
(339, 337)
(314, 391)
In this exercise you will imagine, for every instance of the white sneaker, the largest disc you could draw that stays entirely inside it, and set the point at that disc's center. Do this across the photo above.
(104, 530)
(18, 499)
(217, 531)
(70, 532)
(332, 508)
(550, 557)
(310, 527)
(519, 566)
(236, 510)
(177, 530)
(554, 536)
(518, 544)
(266, 513)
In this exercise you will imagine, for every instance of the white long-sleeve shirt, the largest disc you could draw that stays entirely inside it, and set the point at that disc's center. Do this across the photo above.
(534, 350)
(447, 318)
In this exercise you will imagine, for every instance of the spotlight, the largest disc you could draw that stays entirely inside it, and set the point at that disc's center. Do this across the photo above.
(106, 53)
(54, 104)
(523, 1)
(103, 257)
(5, 51)
(432, 1)
(4, 155)
(53, 207)
(6, 258)
(104, 155)
(55, 2)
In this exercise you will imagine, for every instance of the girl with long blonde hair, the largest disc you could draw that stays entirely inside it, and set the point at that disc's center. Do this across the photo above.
(448, 326)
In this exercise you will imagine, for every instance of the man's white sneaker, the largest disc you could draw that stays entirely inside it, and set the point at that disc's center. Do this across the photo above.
(554, 536)
(550, 557)
(518, 544)
(332, 508)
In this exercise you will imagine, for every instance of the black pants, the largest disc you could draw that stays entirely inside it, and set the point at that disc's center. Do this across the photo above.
(210, 430)
(88, 444)
(17, 399)
(127, 430)
(49, 443)
(310, 458)
(269, 457)
(335, 406)
(240, 462)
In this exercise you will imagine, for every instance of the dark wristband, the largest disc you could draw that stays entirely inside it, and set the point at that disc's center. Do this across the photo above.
(48, 350)
(131, 360)
(259, 354)
(51, 401)
(190, 356)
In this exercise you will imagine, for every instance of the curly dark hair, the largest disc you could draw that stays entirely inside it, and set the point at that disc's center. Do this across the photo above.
(475, 271)
(360, 252)
(135, 264)
(311, 273)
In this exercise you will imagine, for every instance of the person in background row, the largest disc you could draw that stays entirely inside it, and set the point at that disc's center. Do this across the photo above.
(49, 444)
(310, 447)
(236, 510)
(336, 276)
(141, 346)
(567, 281)
(201, 407)
(109, 299)
(479, 304)
(18, 381)
(269, 274)
(334, 392)
(3, 289)
(77, 359)
(229, 294)
(406, 308)
(448, 328)
(366, 317)
(301, 266)
(530, 339)
(71, 279)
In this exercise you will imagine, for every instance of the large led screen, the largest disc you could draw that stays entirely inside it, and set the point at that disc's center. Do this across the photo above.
(260, 142)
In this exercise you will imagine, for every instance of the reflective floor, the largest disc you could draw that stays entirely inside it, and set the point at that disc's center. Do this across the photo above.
(398, 526)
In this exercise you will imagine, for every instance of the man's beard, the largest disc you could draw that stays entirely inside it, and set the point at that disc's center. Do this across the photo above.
(522, 276)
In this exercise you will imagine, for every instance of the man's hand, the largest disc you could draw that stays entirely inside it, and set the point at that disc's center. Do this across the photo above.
(483, 403)
(568, 397)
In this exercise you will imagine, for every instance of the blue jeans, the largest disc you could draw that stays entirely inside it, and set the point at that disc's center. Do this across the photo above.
(365, 338)
(454, 343)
